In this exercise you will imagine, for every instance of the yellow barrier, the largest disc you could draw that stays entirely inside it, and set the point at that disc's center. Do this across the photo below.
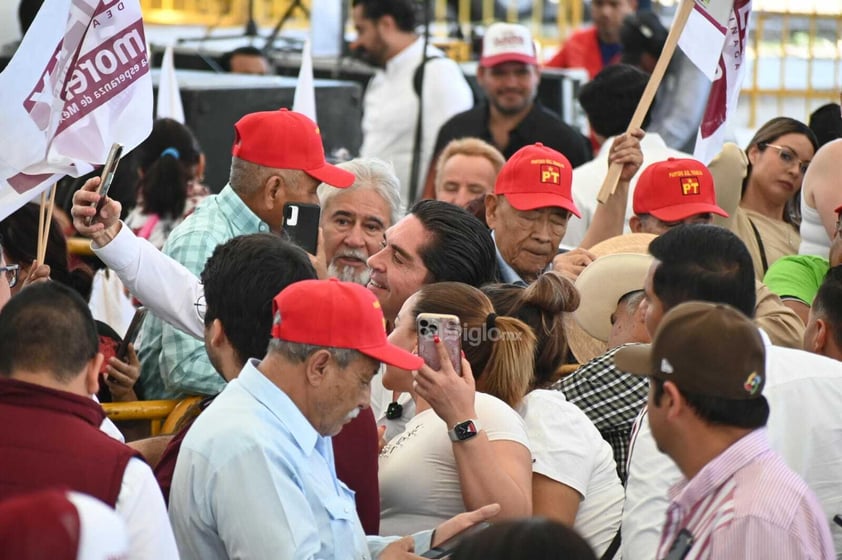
(163, 415)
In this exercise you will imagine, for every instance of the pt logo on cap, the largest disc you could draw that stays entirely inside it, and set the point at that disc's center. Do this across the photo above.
(690, 186)
(550, 174)
(752, 384)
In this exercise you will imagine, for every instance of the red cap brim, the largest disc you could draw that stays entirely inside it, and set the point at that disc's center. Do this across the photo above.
(489, 61)
(838, 210)
(332, 175)
(530, 201)
(684, 211)
(393, 356)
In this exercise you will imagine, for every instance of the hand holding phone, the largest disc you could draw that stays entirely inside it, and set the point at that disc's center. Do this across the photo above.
(108, 171)
(301, 225)
(449, 331)
(446, 549)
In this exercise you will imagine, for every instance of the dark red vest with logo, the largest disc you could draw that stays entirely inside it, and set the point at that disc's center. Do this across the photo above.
(52, 438)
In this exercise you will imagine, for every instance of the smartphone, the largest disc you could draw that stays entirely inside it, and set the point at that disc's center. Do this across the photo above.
(131, 334)
(448, 329)
(108, 171)
(681, 546)
(301, 224)
(445, 549)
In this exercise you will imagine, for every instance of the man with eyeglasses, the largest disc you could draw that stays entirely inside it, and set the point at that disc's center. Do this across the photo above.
(10, 276)
(8, 279)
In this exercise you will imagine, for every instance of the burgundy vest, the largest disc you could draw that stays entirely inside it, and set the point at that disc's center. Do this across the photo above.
(52, 438)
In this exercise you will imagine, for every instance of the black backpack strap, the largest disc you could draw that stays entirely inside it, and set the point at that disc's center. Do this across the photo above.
(613, 547)
(418, 76)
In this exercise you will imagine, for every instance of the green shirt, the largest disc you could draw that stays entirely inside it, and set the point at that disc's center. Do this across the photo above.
(797, 276)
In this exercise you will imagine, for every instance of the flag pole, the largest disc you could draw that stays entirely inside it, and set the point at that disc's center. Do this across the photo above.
(44, 222)
(680, 20)
(41, 214)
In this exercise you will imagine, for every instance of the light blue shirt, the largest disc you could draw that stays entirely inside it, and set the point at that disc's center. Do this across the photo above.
(254, 479)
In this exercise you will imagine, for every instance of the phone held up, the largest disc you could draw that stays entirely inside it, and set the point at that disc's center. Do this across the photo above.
(301, 225)
(131, 334)
(448, 329)
(107, 177)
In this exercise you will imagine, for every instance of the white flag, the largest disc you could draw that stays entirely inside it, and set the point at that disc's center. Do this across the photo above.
(78, 82)
(304, 101)
(725, 91)
(704, 34)
(169, 96)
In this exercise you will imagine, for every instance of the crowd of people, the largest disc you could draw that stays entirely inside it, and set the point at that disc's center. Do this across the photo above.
(656, 376)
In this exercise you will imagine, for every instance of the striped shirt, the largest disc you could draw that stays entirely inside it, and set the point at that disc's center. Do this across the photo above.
(174, 364)
(746, 503)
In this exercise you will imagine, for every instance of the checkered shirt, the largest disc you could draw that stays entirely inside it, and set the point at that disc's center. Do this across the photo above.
(174, 364)
(610, 398)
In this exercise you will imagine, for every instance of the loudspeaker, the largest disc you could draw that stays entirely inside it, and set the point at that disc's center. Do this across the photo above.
(214, 102)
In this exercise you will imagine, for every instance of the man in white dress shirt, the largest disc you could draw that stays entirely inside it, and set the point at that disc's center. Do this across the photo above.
(387, 39)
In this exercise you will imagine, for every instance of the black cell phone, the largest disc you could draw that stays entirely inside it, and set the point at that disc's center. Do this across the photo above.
(681, 546)
(301, 224)
(131, 334)
(107, 177)
(445, 549)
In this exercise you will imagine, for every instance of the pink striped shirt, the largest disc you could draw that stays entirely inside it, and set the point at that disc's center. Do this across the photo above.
(746, 503)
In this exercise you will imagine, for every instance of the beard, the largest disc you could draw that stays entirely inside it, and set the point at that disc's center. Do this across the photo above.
(511, 110)
(351, 415)
(349, 273)
(374, 58)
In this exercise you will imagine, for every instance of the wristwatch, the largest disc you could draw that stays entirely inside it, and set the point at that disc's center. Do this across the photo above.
(464, 430)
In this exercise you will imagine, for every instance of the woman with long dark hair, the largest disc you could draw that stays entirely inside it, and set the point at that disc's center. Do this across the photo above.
(769, 214)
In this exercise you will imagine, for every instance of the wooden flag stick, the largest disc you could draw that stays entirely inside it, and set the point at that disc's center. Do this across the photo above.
(681, 16)
(41, 216)
(44, 223)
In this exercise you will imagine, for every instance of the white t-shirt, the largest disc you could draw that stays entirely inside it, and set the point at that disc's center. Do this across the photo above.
(568, 448)
(419, 480)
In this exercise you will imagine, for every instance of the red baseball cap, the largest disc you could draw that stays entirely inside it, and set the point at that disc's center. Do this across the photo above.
(676, 189)
(285, 139)
(838, 210)
(537, 177)
(339, 315)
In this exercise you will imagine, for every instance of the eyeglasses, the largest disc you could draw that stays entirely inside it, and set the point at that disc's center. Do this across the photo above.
(11, 271)
(201, 307)
(788, 157)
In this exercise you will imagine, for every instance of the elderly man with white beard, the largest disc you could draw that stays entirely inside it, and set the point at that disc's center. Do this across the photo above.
(353, 220)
